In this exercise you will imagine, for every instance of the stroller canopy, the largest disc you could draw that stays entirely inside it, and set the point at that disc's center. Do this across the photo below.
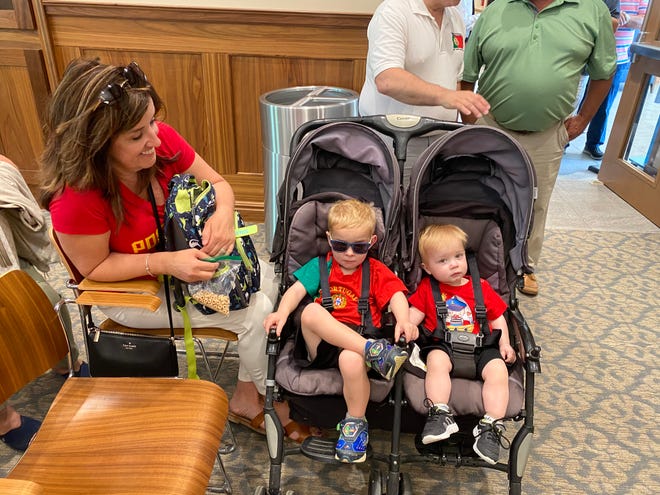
(511, 176)
(347, 158)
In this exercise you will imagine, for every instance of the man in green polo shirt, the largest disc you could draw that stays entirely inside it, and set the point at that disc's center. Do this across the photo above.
(532, 53)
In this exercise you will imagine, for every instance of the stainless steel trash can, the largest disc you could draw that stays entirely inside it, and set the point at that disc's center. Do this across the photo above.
(282, 112)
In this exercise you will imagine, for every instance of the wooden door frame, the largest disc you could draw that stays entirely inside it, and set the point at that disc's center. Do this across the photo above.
(636, 187)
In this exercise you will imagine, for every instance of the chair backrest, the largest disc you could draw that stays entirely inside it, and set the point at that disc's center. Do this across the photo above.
(32, 338)
(74, 274)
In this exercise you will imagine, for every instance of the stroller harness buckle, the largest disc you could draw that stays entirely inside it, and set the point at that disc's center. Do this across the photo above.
(464, 345)
(465, 342)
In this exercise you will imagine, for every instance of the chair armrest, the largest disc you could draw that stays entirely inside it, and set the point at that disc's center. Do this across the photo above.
(121, 299)
(135, 286)
(136, 293)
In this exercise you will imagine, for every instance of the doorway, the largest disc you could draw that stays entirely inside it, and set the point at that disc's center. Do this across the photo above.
(632, 158)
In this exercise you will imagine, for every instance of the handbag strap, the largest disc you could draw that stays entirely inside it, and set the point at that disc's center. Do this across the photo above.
(161, 240)
(191, 359)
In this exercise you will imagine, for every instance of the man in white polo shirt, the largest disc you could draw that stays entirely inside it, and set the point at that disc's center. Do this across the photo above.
(415, 63)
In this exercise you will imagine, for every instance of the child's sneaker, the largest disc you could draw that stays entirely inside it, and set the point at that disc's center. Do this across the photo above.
(384, 357)
(353, 440)
(487, 440)
(439, 425)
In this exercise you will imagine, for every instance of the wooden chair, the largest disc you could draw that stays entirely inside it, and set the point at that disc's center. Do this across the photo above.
(141, 436)
(136, 294)
(19, 487)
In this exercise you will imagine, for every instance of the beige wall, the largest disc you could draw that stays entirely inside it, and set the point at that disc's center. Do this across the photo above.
(316, 6)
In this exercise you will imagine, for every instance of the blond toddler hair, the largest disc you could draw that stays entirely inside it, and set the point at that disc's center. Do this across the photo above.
(438, 235)
(351, 214)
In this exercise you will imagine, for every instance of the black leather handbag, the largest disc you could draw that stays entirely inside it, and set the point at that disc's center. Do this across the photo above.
(132, 354)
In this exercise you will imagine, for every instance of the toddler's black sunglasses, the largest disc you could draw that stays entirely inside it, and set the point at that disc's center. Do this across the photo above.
(342, 246)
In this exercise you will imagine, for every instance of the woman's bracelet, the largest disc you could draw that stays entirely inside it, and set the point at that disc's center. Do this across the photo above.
(146, 266)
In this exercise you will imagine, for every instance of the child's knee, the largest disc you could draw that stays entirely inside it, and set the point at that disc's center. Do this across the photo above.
(438, 360)
(351, 363)
(311, 313)
(495, 371)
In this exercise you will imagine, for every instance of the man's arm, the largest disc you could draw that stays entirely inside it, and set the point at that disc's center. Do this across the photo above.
(407, 88)
(596, 92)
(468, 118)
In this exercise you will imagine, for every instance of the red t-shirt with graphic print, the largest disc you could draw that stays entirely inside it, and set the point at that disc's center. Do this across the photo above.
(460, 305)
(89, 212)
(345, 290)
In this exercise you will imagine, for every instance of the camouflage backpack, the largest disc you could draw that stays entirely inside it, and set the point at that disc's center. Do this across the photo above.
(188, 206)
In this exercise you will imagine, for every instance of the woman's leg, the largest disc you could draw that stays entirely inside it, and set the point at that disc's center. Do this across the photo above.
(9, 419)
(246, 323)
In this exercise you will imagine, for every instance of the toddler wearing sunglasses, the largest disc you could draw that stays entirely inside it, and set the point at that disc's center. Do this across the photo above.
(331, 339)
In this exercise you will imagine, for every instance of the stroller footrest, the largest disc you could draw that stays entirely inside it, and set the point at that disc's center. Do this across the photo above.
(319, 449)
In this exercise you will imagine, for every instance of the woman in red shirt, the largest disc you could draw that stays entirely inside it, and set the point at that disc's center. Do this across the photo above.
(104, 148)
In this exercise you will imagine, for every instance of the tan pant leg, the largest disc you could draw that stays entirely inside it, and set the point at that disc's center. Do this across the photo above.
(546, 150)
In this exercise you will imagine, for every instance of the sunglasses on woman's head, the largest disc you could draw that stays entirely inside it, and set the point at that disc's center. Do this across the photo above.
(342, 246)
(133, 78)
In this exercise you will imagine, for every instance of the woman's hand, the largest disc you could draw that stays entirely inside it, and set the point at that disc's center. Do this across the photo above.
(187, 265)
(218, 236)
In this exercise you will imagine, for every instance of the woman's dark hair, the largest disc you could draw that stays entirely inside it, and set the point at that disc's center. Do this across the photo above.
(80, 124)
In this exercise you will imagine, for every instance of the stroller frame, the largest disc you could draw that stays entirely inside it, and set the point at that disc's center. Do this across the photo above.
(393, 481)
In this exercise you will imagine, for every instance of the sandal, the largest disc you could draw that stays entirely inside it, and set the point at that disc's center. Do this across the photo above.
(19, 438)
(302, 430)
(254, 424)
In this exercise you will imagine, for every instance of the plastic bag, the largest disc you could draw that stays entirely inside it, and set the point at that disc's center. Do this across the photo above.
(214, 293)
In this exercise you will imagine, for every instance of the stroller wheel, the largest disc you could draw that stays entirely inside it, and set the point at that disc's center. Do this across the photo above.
(261, 490)
(377, 482)
(405, 484)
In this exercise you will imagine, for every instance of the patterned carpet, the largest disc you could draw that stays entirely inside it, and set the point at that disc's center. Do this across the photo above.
(596, 400)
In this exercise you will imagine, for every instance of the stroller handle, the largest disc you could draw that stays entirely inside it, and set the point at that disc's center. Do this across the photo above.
(401, 128)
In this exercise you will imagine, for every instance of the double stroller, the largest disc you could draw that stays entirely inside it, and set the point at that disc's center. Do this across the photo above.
(475, 177)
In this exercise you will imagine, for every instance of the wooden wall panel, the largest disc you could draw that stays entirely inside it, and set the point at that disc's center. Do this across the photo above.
(254, 76)
(16, 14)
(211, 67)
(178, 79)
(241, 38)
(20, 122)
(217, 80)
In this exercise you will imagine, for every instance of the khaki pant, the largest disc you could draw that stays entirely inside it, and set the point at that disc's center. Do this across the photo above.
(545, 149)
